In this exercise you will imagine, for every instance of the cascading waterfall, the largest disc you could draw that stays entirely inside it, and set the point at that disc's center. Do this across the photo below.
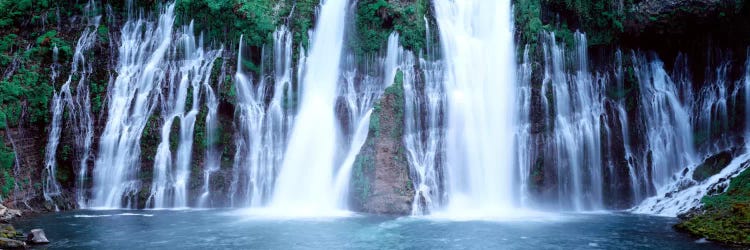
(305, 183)
(715, 128)
(637, 177)
(576, 143)
(682, 193)
(525, 153)
(262, 127)
(213, 154)
(669, 136)
(133, 97)
(51, 187)
(480, 87)
(79, 106)
(359, 96)
(423, 132)
(186, 76)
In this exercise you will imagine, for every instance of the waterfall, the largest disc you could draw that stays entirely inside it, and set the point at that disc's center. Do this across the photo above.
(305, 183)
(187, 76)
(424, 102)
(637, 177)
(79, 107)
(710, 115)
(525, 153)
(575, 144)
(51, 187)
(480, 87)
(132, 98)
(213, 153)
(262, 126)
(669, 137)
(678, 192)
(359, 94)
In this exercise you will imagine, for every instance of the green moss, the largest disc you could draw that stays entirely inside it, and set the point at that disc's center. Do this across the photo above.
(725, 217)
(396, 93)
(362, 170)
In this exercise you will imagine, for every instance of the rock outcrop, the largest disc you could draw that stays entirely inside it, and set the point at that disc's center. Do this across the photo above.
(36, 236)
(380, 177)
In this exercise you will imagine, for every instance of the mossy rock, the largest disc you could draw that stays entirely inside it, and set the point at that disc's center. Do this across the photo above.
(724, 217)
(712, 166)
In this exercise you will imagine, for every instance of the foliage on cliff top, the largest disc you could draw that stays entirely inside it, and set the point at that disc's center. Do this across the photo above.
(601, 20)
(224, 21)
(376, 19)
(25, 54)
(724, 217)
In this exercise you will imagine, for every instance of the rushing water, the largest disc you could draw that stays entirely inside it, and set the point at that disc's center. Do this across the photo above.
(480, 140)
(477, 41)
(576, 145)
(306, 181)
(263, 128)
(219, 229)
(79, 107)
(141, 68)
(183, 85)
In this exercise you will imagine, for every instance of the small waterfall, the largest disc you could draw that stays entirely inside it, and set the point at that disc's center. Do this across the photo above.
(637, 177)
(187, 75)
(263, 127)
(306, 180)
(669, 138)
(79, 107)
(51, 187)
(424, 102)
(710, 106)
(576, 141)
(359, 94)
(213, 153)
(132, 98)
(525, 152)
(477, 40)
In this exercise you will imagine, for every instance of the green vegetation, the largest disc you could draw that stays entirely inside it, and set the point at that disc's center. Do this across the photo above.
(602, 21)
(362, 172)
(7, 161)
(376, 19)
(724, 217)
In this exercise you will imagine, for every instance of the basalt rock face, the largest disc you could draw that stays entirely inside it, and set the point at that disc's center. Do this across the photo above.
(678, 16)
(380, 177)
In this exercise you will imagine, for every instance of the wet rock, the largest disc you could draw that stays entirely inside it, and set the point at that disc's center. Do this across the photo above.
(6, 243)
(7, 231)
(670, 16)
(36, 236)
(380, 181)
(712, 165)
(7, 214)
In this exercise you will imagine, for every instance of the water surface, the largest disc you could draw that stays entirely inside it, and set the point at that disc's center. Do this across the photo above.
(231, 229)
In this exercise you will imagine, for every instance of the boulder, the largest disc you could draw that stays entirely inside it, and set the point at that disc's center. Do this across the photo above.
(6, 243)
(36, 236)
(7, 214)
